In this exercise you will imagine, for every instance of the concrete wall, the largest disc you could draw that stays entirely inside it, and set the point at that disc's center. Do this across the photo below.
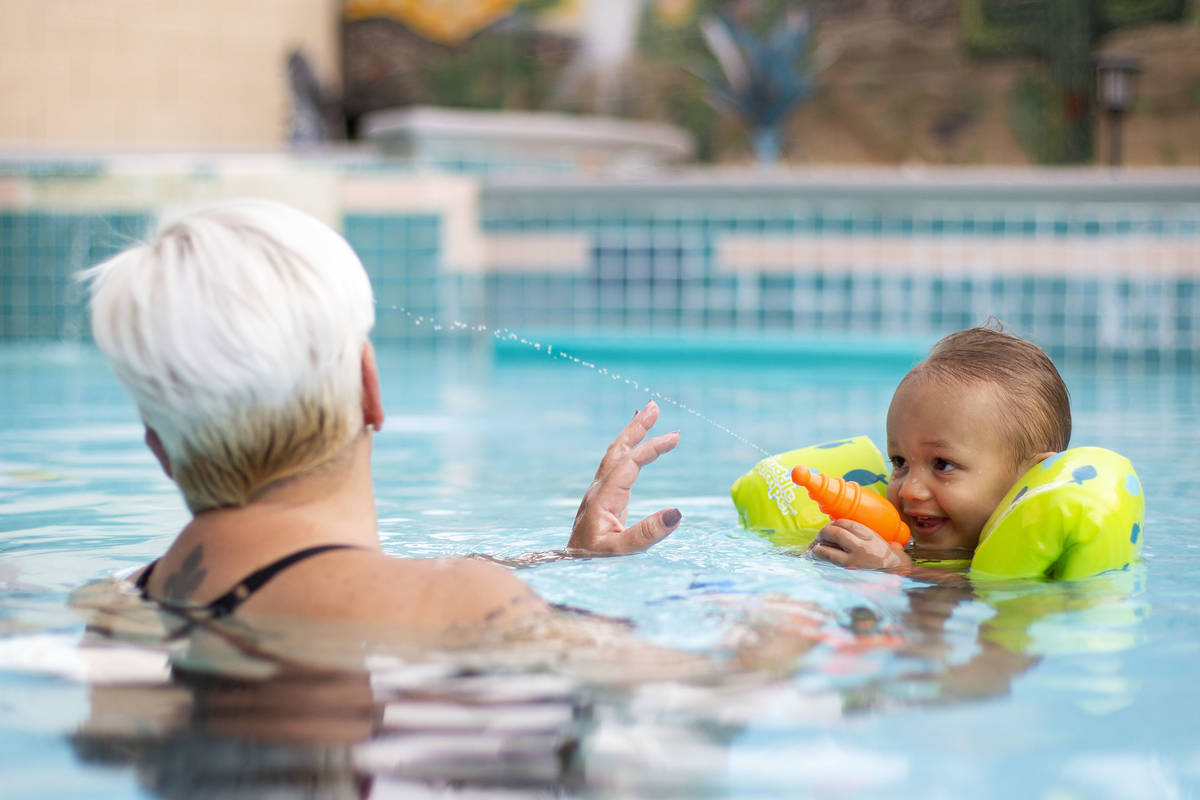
(156, 73)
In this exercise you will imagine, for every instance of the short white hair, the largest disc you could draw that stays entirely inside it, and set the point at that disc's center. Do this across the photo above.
(238, 330)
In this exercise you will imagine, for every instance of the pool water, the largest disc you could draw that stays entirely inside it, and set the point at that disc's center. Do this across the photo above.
(1079, 690)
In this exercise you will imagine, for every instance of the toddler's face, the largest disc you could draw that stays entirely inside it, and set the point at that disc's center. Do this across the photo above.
(951, 463)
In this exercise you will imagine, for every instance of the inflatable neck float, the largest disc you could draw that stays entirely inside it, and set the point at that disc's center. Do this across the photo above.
(1076, 514)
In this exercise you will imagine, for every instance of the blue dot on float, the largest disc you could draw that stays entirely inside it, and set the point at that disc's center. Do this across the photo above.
(1020, 494)
(1050, 461)
(1133, 485)
(1133, 535)
(1082, 474)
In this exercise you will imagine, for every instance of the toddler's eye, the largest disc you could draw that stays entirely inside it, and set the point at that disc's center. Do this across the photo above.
(897, 462)
(942, 465)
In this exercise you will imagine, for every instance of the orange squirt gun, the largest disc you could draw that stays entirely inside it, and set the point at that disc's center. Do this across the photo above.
(842, 499)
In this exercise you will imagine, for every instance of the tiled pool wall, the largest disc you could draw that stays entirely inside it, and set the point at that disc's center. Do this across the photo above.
(40, 251)
(1084, 263)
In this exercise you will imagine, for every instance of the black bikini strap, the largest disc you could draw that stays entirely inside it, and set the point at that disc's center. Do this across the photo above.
(227, 603)
(144, 578)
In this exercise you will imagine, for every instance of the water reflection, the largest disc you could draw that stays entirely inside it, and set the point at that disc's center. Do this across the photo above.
(585, 708)
(249, 713)
(280, 708)
(321, 733)
(970, 640)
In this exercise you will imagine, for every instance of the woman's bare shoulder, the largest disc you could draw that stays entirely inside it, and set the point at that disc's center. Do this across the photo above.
(460, 589)
(368, 586)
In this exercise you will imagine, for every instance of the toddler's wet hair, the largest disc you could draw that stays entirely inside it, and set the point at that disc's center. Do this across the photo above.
(1036, 406)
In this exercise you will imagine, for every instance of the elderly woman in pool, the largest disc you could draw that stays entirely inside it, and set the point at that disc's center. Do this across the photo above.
(241, 333)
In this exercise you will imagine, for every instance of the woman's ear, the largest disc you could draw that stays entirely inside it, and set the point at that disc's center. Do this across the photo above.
(156, 446)
(372, 397)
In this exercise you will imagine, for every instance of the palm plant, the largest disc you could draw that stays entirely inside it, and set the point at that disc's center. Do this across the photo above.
(761, 80)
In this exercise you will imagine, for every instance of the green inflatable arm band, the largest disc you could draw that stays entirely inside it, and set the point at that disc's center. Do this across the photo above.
(1076, 514)
(768, 501)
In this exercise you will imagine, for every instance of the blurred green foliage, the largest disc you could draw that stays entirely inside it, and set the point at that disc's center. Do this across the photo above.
(678, 64)
(1030, 113)
(517, 64)
(1053, 115)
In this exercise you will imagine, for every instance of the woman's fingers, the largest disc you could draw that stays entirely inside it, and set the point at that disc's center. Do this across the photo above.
(633, 432)
(647, 533)
(600, 522)
(649, 450)
(612, 489)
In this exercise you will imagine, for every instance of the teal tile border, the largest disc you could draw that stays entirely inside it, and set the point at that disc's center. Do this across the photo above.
(402, 256)
(653, 270)
(40, 254)
(66, 168)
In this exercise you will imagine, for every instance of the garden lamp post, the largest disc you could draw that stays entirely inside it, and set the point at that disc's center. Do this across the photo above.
(1114, 90)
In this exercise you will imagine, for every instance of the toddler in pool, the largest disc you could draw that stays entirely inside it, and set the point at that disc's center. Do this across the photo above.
(963, 425)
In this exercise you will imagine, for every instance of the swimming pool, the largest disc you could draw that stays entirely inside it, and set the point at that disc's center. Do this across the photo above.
(1080, 690)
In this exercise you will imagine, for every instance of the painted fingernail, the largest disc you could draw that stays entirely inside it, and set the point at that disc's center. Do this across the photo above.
(671, 517)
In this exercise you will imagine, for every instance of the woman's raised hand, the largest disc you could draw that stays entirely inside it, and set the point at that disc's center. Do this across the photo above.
(599, 527)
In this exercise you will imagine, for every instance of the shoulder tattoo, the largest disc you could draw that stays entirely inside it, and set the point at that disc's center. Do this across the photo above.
(180, 584)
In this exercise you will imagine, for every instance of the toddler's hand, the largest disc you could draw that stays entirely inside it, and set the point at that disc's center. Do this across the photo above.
(854, 545)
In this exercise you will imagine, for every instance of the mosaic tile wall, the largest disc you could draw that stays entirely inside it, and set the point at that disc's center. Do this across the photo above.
(402, 256)
(1085, 270)
(40, 253)
(1086, 279)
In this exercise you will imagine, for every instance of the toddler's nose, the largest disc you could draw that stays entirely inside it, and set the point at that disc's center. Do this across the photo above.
(913, 489)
